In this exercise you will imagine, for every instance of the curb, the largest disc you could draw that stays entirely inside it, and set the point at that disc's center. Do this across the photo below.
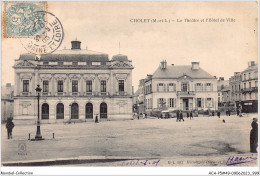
(70, 161)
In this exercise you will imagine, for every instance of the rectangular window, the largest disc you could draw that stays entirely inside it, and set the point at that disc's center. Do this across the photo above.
(25, 85)
(256, 83)
(244, 85)
(249, 75)
(121, 86)
(249, 84)
(161, 103)
(171, 102)
(208, 87)
(250, 95)
(244, 76)
(209, 102)
(45, 86)
(198, 87)
(89, 86)
(74, 86)
(161, 87)
(60, 86)
(199, 102)
(103, 86)
(184, 87)
(172, 87)
(45, 63)
(74, 63)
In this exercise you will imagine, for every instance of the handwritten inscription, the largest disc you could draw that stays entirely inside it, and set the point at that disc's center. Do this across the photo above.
(141, 163)
(233, 160)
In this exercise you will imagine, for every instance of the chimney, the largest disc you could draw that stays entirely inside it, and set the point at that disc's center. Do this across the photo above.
(75, 44)
(251, 63)
(195, 65)
(163, 64)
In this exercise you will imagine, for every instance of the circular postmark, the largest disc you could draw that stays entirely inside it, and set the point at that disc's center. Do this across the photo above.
(46, 34)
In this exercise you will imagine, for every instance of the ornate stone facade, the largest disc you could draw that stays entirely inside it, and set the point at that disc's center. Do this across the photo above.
(76, 85)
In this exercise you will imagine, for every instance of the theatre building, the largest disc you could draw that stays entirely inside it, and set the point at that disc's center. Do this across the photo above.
(180, 87)
(77, 84)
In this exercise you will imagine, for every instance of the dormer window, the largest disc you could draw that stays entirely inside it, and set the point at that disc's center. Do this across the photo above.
(60, 63)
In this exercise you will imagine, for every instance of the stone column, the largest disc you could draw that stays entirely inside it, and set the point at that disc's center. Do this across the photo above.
(18, 83)
(67, 85)
(111, 84)
(81, 84)
(96, 84)
(52, 84)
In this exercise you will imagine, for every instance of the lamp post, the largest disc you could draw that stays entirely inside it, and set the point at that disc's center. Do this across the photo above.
(38, 133)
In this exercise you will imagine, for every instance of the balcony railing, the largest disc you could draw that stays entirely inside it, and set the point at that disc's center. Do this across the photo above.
(102, 93)
(46, 93)
(250, 89)
(25, 94)
(60, 93)
(88, 93)
(121, 93)
(188, 93)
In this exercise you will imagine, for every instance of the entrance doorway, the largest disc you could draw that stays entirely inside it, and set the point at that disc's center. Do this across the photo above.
(103, 110)
(185, 104)
(89, 111)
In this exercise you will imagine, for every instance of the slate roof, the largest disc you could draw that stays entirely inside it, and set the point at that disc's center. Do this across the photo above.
(179, 70)
(255, 67)
(119, 57)
(70, 55)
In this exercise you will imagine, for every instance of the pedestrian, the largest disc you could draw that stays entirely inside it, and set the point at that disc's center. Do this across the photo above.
(178, 115)
(187, 114)
(254, 136)
(9, 127)
(138, 116)
(181, 116)
(96, 119)
(213, 113)
(229, 112)
(143, 115)
(218, 114)
(191, 115)
(237, 112)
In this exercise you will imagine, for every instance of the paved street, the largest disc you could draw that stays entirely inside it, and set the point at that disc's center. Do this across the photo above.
(201, 139)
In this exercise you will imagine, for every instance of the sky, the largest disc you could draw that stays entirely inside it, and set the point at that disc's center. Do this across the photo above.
(222, 48)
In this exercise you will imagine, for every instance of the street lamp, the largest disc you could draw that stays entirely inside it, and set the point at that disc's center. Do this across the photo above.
(38, 133)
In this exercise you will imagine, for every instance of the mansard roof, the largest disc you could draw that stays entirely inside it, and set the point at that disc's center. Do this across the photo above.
(180, 70)
(70, 55)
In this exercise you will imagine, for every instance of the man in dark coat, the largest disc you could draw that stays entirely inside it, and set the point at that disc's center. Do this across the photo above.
(178, 116)
(9, 126)
(254, 136)
(191, 115)
(96, 119)
(187, 114)
(181, 116)
(218, 114)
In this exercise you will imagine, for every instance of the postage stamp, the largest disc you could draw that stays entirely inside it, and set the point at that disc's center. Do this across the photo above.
(46, 37)
(20, 19)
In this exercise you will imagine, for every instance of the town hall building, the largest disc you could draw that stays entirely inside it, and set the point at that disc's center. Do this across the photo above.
(77, 84)
(180, 87)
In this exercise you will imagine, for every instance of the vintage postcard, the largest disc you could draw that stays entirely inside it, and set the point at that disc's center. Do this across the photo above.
(129, 84)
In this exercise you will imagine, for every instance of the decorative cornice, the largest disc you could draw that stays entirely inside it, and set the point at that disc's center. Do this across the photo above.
(25, 76)
(103, 76)
(121, 76)
(89, 76)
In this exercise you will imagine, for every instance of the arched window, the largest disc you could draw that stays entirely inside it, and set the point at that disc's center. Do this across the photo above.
(103, 110)
(45, 111)
(74, 111)
(60, 111)
(89, 111)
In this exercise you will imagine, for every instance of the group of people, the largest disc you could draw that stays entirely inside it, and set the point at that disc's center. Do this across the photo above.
(179, 115)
